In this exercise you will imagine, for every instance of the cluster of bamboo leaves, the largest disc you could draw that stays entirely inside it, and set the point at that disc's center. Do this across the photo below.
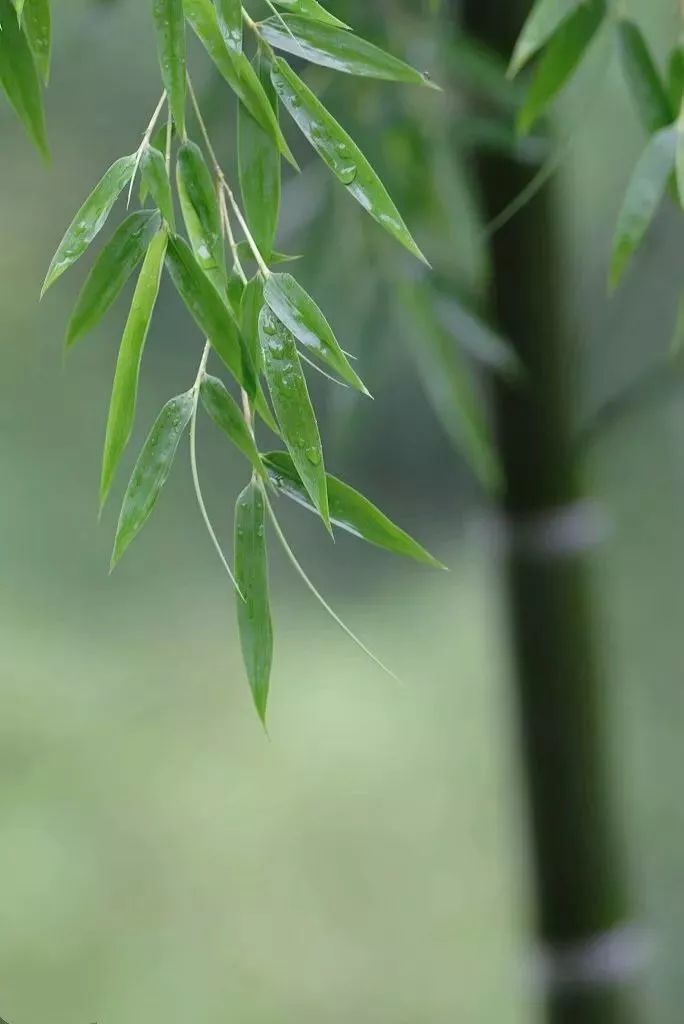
(218, 246)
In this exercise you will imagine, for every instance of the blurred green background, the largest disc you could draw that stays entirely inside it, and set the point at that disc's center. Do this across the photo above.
(161, 858)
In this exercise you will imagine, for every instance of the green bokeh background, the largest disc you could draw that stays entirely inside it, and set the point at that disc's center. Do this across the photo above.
(162, 859)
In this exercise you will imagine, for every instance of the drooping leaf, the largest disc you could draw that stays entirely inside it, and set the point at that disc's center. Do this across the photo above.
(302, 317)
(259, 170)
(229, 13)
(293, 409)
(155, 179)
(642, 199)
(18, 76)
(333, 47)
(170, 24)
(544, 20)
(348, 509)
(251, 305)
(338, 150)
(111, 270)
(675, 76)
(310, 9)
(90, 219)
(226, 414)
(36, 23)
(253, 608)
(199, 203)
(125, 390)
(643, 78)
(236, 69)
(210, 312)
(562, 56)
(152, 470)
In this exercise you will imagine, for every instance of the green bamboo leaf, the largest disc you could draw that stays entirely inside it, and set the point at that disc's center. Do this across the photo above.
(675, 76)
(348, 509)
(90, 219)
(18, 76)
(339, 151)
(19, 8)
(37, 25)
(229, 14)
(310, 9)
(210, 312)
(170, 24)
(259, 170)
(337, 48)
(125, 391)
(643, 78)
(293, 408)
(237, 71)
(152, 470)
(644, 194)
(562, 56)
(250, 307)
(227, 414)
(199, 203)
(245, 253)
(544, 20)
(253, 608)
(155, 179)
(111, 270)
(302, 317)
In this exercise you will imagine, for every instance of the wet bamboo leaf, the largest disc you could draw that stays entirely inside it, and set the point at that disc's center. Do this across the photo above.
(259, 169)
(152, 470)
(293, 408)
(236, 69)
(310, 9)
(643, 78)
(199, 203)
(562, 56)
(210, 312)
(90, 219)
(348, 509)
(250, 307)
(125, 391)
(339, 151)
(18, 76)
(170, 24)
(302, 317)
(644, 194)
(336, 48)
(36, 23)
(111, 270)
(253, 608)
(229, 13)
(227, 414)
(155, 179)
(544, 20)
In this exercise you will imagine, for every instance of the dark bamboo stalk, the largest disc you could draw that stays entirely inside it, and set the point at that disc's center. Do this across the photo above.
(589, 950)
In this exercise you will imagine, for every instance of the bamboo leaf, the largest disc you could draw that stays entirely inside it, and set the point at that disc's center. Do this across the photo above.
(199, 203)
(259, 170)
(111, 270)
(170, 24)
(155, 179)
(226, 414)
(90, 219)
(229, 13)
(336, 48)
(251, 305)
(338, 150)
(349, 510)
(152, 470)
(675, 76)
(246, 255)
(18, 76)
(310, 9)
(236, 69)
(210, 312)
(253, 608)
(302, 317)
(293, 408)
(560, 59)
(544, 20)
(643, 78)
(37, 26)
(125, 391)
(644, 194)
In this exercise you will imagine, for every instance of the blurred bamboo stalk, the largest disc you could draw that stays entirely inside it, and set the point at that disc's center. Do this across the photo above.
(589, 952)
